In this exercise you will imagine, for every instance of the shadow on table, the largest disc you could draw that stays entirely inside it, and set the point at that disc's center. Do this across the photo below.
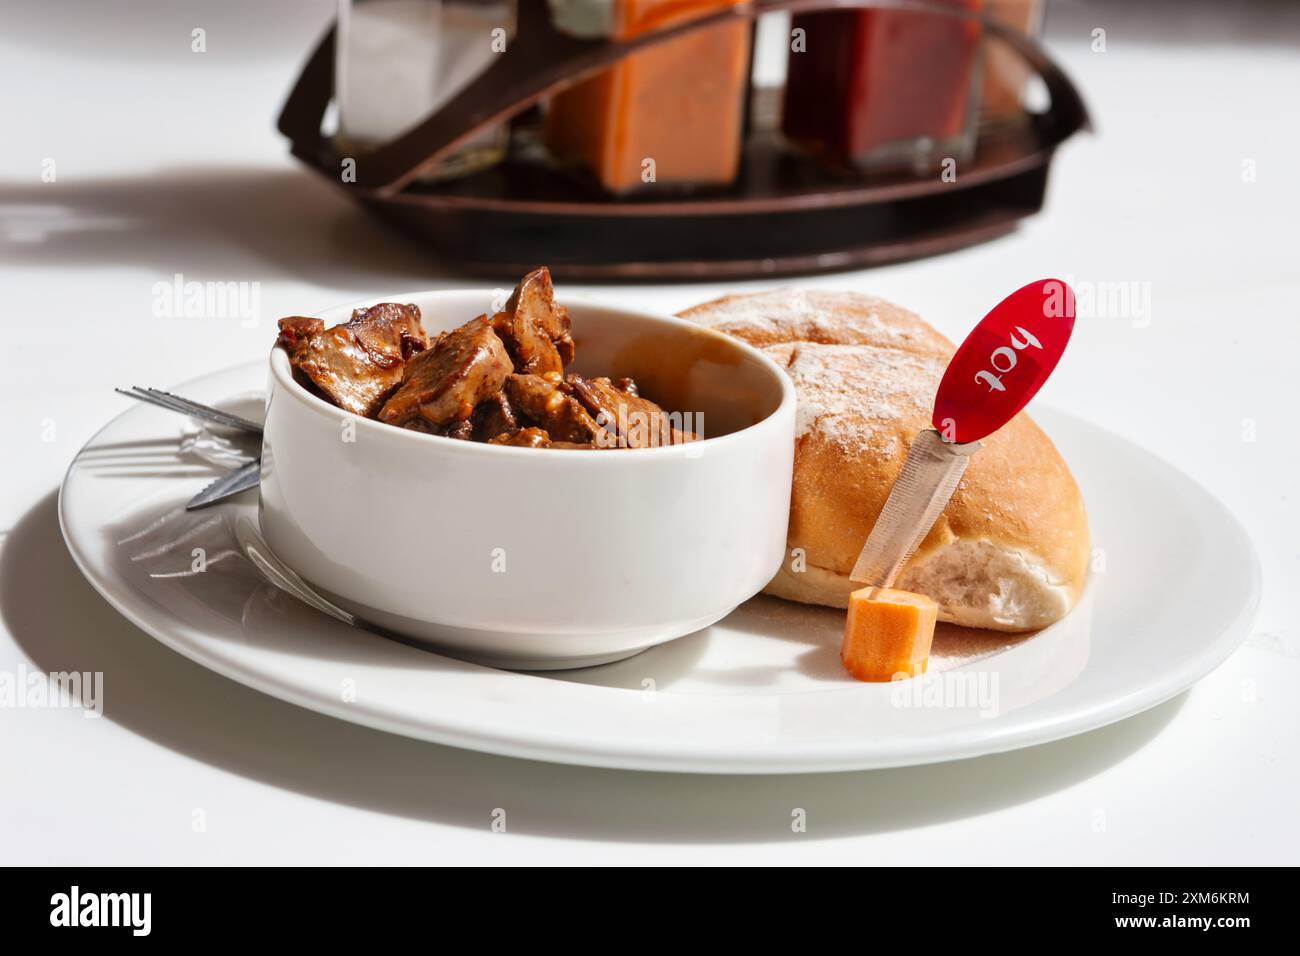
(62, 624)
(241, 224)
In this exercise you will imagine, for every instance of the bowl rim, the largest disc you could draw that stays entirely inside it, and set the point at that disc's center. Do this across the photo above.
(283, 377)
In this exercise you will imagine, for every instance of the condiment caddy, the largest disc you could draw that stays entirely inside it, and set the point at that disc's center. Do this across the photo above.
(744, 194)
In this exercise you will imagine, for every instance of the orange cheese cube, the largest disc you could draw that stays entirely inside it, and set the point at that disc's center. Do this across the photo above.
(888, 632)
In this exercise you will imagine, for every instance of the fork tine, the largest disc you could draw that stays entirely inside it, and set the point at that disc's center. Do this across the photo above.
(237, 420)
(185, 403)
(187, 406)
(199, 408)
(140, 395)
(216, 415)
(162, 401)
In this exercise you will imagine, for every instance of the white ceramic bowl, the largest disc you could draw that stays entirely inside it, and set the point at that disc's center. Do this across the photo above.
(534, 558)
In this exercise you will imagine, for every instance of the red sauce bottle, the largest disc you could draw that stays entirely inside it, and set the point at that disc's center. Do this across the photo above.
(882, 89)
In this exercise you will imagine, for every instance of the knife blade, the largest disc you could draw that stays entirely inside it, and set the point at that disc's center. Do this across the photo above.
(929, 477)
(232, 483)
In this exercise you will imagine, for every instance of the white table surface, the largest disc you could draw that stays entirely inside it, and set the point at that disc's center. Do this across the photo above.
(167, 162)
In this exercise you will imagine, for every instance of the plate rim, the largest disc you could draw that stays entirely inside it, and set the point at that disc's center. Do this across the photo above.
(794, 757)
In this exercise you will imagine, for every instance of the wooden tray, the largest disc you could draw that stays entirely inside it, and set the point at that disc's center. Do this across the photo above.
(786, 212)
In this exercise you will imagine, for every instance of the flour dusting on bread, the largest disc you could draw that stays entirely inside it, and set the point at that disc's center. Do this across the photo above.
(817, 315)
(845, 390)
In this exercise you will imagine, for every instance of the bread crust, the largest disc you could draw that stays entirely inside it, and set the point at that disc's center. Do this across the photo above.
(1009, 552)
(818, 315)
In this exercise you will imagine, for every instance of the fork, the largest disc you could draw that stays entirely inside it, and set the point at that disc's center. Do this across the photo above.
(232, 483)
(186, 406)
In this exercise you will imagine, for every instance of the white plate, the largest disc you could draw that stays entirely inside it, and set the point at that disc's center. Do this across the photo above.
(1174, 590)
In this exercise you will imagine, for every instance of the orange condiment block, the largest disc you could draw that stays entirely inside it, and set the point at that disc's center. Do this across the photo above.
(680, 104)
(888, 633)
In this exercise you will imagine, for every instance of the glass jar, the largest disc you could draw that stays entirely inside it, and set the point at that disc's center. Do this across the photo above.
(882, 89)
(398, 61)
(672, 115)
(1006, 74)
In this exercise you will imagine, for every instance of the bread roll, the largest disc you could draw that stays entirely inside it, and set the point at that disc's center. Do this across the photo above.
(1009, 552)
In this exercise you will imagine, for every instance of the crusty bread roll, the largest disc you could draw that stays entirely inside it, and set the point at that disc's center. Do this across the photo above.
(1009, 552)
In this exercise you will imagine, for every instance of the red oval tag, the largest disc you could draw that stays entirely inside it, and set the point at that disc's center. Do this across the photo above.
(1004, 361)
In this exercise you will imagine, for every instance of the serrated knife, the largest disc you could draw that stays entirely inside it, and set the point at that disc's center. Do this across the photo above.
(1000, 366)
(230, 484)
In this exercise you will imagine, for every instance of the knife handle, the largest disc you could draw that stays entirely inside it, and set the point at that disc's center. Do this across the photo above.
(1004, 361)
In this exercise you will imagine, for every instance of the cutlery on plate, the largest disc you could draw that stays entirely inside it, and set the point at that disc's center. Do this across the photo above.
(285, 578)
(246, 476)
(232, 483)
(186, 406)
